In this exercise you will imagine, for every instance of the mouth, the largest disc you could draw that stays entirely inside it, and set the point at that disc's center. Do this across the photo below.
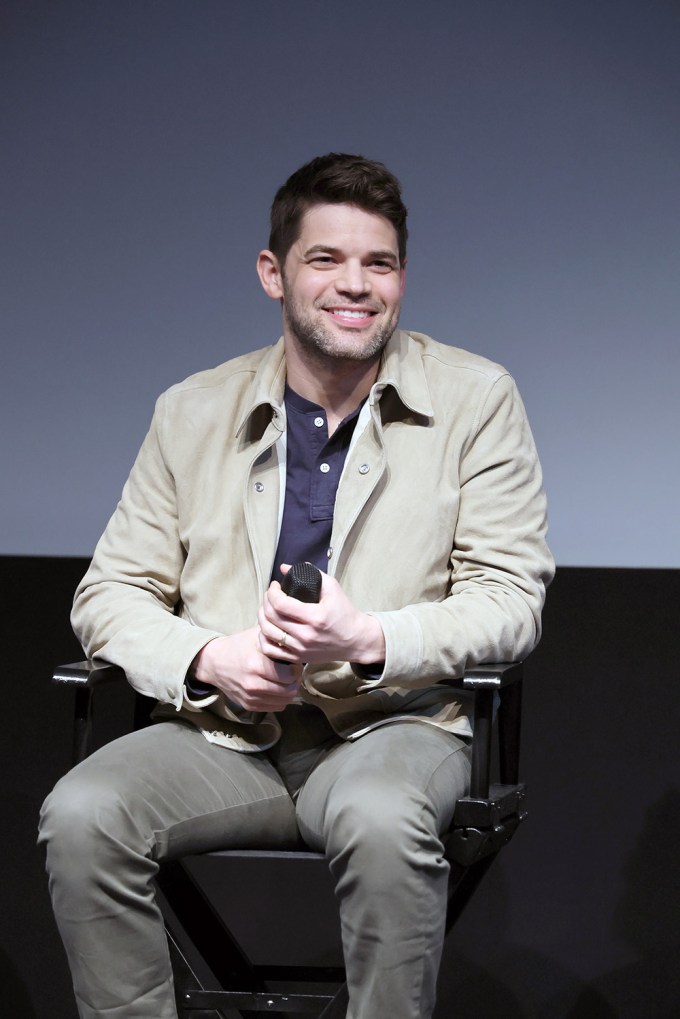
(354, 317)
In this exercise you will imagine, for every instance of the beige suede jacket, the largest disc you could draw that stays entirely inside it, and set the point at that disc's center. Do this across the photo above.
(439, 531)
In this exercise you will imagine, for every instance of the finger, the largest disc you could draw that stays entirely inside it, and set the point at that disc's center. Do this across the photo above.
(291, 670)
(271, 632)
(268, 620)
(279, 653)
(259, 702)
(283, 675)
(280, 608)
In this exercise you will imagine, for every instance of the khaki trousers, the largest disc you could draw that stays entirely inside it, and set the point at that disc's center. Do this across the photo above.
(375, 806)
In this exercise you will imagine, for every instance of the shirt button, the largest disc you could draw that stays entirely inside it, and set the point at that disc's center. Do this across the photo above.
(364, 469)
(329, 553)
(324, 468)
(259, 487)
(319, 422)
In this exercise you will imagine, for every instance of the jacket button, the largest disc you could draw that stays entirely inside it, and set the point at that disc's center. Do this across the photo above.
(364, 469)
(259, 487)
(329, 553)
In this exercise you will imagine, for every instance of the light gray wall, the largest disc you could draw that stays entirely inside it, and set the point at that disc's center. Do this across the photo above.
(539, 148)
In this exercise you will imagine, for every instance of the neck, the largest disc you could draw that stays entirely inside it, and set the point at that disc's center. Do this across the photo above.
(338, 386)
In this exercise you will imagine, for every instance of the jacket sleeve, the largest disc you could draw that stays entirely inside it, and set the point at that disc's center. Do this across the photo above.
(500, 563)
(124, 609)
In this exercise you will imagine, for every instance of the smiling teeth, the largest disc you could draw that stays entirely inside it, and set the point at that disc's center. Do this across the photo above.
(350, 314)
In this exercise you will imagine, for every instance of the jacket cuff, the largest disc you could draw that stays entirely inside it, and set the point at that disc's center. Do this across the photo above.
(173, 691)
(197, 699)
(403, 649)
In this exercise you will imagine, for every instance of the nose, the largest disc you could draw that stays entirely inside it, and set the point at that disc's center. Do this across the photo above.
(353, 279)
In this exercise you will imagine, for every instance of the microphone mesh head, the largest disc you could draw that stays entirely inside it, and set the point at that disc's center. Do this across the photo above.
(303, 581)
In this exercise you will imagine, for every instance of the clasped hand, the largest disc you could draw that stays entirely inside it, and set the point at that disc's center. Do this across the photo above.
(261, 668)
(330, 630)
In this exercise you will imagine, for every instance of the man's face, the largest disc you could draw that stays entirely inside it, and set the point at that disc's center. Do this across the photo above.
(342, 284)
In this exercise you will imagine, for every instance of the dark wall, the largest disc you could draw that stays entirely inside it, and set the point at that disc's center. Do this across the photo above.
(577, 919)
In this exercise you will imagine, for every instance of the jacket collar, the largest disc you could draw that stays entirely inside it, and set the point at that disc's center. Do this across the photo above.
(401, 369)
(268, 387)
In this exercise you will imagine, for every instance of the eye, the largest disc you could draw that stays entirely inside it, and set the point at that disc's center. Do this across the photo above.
(322, 261)
(381, 265)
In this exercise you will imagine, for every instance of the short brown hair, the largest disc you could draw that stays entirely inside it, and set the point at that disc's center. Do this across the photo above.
(336, 178)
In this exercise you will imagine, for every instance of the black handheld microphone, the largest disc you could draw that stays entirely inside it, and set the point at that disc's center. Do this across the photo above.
(303, 581)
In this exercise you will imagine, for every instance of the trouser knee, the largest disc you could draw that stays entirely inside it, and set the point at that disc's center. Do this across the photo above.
(89, 833)
(383, 836)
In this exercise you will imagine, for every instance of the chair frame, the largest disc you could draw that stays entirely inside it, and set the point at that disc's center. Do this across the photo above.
(484, 821)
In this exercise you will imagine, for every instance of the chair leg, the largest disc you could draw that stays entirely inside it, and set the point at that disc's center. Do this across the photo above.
(82, 725)
(509, 733)
(462, 885)
(211, 939)
(186, 981)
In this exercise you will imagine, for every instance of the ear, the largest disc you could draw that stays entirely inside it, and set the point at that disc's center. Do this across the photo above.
(402, 278)
(269, 271)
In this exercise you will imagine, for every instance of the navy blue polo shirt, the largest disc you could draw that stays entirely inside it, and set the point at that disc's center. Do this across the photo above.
(314, 463)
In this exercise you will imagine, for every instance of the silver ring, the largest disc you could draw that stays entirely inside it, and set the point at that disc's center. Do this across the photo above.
(282, 642)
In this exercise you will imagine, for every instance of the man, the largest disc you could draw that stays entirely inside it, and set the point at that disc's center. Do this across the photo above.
(406, 470)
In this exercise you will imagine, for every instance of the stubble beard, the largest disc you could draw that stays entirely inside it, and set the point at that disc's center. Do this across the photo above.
(323, 344)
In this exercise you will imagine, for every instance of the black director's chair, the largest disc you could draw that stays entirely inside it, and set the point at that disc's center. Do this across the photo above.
(213, 975)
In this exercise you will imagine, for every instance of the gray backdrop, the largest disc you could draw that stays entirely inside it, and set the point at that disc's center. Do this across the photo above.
(538, 144)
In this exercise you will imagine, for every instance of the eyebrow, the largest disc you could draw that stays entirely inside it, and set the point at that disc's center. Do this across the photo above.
(385, 253)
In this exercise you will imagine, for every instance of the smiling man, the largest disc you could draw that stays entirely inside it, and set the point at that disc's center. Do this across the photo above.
(404, 469)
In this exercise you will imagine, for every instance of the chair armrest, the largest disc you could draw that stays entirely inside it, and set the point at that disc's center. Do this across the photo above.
(494, 676)
(84, 677)
(497, 687)
(87, 674)
(487, 817)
